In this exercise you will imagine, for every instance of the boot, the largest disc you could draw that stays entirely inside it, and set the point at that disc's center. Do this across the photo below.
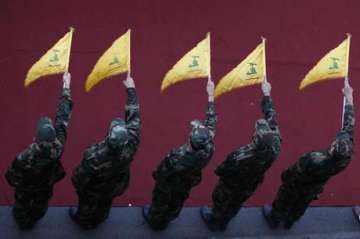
(23, 221)
(72, 213)
(288, 224)
(209, 220)
(154, 226)
(273, 223)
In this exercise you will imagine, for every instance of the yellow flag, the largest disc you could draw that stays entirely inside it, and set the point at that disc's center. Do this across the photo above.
(195, 64)
(250, 71)
(335, 64)
(114, 61)
(55, 61)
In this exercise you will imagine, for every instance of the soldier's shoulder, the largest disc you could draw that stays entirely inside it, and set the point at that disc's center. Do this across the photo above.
(315, 156)
(96, 146)
(242, 153)
(180, 150)
(204, 152)
(177, 153)
(27, 153)
(93, 149)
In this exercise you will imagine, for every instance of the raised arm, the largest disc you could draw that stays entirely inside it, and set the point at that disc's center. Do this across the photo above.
(132, 112)
(211, 117)
(64, 109)
(267, 105)
(349, 113)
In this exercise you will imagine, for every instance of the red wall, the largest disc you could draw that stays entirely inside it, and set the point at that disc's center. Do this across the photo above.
(298, 33)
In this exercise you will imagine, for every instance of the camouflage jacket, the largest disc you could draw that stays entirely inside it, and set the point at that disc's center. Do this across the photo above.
(36, 167)
(246, 165)
(314, 169)
(183, 164)
(105, 170)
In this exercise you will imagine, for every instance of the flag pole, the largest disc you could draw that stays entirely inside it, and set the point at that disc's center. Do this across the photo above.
(129, 53)
(264, 56)
(346, 80)
(209, 62)
(70, 42)
(347, 57)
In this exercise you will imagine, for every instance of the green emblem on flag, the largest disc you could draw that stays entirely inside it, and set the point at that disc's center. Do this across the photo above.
(115, 61)
(55, 57)
(335, 64)
(252, 69)
(194, 61)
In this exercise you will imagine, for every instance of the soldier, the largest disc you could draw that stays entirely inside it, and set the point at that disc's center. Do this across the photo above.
(35, 171)
(180, 171)
(243, 170)
(305, 180)
(104, 172)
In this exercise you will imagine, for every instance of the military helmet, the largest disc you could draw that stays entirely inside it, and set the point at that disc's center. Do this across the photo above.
(199, 135)
(45, 130)
(118, 134)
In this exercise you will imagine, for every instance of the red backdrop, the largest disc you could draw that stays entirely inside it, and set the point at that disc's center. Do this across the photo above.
(298, 33)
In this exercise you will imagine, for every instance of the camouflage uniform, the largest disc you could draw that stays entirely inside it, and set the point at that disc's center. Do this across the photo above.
(177, 174)
(243, 170)
(305, 180)
(35, 171)
(104, 173)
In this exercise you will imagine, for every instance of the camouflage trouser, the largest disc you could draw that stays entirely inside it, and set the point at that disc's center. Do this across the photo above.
(292, 201)
(227, 201)
(93, 209)
(95, 202)
(167, 203)
(31, 206)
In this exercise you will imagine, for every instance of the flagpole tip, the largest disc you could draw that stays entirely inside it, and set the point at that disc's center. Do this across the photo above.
(348, 35)
(72, 29)
(87, 86)
(163, 88)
